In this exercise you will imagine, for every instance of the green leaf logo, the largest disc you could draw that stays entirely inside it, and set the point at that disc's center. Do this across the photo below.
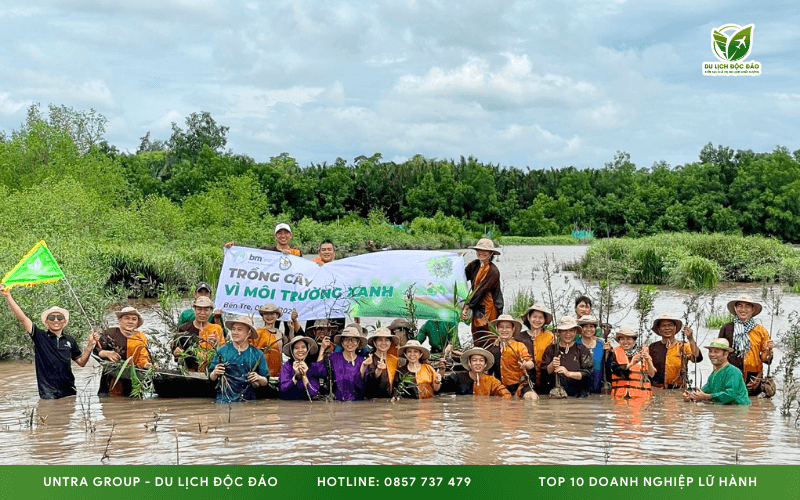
(739, 44)
(732, 47)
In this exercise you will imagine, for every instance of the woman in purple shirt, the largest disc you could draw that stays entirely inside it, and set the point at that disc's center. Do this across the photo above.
(349, 369)
(299, 380)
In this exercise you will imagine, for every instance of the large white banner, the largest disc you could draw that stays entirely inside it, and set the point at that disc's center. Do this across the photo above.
(375, 284)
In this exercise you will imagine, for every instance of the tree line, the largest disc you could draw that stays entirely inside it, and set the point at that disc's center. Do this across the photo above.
(725, 190)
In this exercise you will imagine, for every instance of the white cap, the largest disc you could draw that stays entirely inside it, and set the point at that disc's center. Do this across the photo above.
(282, 225)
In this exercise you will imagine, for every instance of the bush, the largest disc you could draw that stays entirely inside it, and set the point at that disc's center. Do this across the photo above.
(695, 272)
(660, 258)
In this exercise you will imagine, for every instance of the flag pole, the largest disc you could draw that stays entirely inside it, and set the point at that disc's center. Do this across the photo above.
(85, 315)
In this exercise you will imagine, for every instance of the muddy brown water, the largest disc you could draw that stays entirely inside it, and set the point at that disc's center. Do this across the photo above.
(443, 430)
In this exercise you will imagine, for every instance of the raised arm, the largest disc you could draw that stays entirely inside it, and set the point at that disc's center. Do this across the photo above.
(27, 324)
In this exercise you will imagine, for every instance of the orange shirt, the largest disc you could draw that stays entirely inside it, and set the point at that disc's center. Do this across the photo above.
(426, 375)
(487, 385)
(137, 349)
(268, 343)
(672, 364)
(512, 353)
(759, 336)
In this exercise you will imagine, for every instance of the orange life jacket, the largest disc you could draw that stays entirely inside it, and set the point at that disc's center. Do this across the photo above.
(636, 385)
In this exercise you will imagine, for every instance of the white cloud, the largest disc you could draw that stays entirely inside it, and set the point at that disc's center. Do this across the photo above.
(9, 106)
(517, 83)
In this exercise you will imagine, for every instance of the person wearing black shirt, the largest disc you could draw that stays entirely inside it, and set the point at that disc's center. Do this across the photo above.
(54, 350)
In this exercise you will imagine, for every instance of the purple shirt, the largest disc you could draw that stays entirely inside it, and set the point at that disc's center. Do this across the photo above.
(291, 390)
(350, 385)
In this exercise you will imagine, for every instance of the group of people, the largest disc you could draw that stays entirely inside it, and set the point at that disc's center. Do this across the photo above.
(328, 358)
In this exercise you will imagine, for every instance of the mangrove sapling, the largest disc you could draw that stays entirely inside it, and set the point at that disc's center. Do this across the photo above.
(693, 309)
(773, 295)
(789, 342)
(108, 443)
(411, 310)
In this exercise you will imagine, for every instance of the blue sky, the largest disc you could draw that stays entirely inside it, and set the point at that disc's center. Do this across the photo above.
(525, 84)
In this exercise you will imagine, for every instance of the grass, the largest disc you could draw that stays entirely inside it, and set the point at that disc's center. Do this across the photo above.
(539, 240)
(692, 260)
(717, 320)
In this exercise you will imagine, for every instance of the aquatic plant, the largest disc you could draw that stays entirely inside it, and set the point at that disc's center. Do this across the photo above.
(657, 259)
(521, 301)
(695, 272)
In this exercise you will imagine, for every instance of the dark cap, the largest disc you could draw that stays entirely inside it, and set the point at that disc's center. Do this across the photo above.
(202, 285)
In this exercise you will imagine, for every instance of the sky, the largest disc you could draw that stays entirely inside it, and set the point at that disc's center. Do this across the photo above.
(527, 84)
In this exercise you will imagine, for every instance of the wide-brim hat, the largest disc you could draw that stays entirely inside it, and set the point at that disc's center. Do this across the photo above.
(508, 317)
(269, 308)
(548, 317)
(588, 319)
(282, 225)
(56, 309)
(130, 310)
(203, 302)
(477, 350)
(321, 323)
(486, 244)
(400, 323)
(566, 323)
(288, 349)
(666, 317)
(351, 332)
(744, 298)
(719, 344)
(414, 344)
(627, 331)
(383, 332)
(245, 320)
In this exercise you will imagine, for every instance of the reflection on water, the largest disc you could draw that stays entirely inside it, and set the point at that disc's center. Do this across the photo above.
(442, 430)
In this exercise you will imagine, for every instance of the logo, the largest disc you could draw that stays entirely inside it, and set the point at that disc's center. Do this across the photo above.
(284, 263)
(36, 265)
(731, 45)
(239, 256)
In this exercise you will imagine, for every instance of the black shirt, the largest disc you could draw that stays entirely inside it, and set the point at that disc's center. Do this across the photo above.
(54, 355)
(575, 358)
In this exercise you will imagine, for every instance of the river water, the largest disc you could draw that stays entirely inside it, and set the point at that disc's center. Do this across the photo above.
(444, 430)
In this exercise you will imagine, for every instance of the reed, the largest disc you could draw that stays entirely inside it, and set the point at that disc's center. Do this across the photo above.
(695, 272)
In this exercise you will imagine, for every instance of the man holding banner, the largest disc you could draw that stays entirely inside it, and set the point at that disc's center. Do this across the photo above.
(54, 349)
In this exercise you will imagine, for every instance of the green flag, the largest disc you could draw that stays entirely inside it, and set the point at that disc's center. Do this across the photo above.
(38, 266)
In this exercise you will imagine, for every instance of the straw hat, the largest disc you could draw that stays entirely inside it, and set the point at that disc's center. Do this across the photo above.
(507, 317)
(244, 320)
(537, 307)
(567, 323)
(627, 331)
(588, 319)
(477, 350)
(56, 309)
(320, 324)
(400, 323)
(486, 244)
(719, 344)
(744, 298)
(351, 332)
(383, 333)
(414, 344)
(667, 317)
(288, 349)
(130, 310)
(203, 302)
(269, 308)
